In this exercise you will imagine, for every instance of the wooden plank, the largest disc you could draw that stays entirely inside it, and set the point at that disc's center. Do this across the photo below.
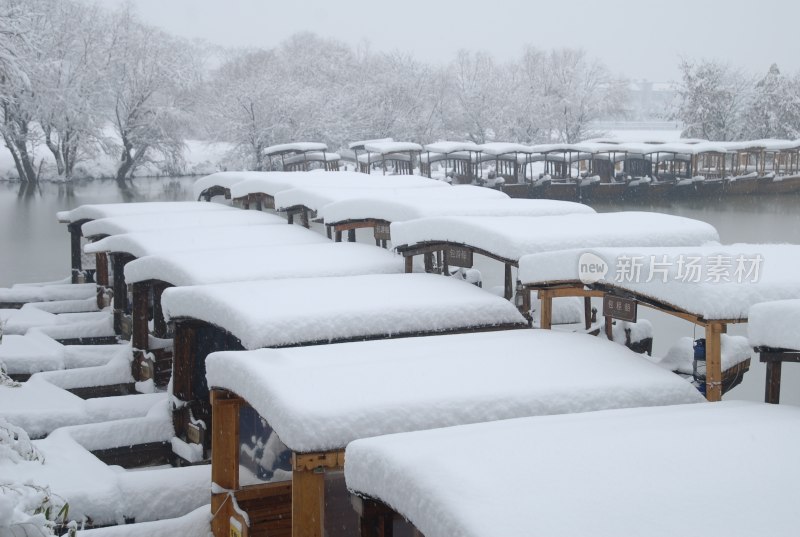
(714, 361)
(508, 287)
(75, 250)
(409, 267)
(308, 503)
(101, 269)
(375, 518)
(333, 460)
(159, 322)
(225, 439)
(183, 360)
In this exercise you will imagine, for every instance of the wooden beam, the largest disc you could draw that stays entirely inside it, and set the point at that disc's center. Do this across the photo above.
(159, 322)
(409, 264)
(75, 249)
(508, 283)
(225, 439)
(714, 332)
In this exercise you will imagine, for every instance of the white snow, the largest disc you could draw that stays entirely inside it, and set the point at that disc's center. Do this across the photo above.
(264, 263)
(502, 148)
(775, 324)
(290, 312)
(46, 293)
(197, 524)
(317, 198)
(30, 353)
(618, 472)
(296, 146)
(728, 298)
(187, 220)
(274, 182)
(321, 398)
(385, 148)
(361, 143)
(112, 210)
(40, 407)
(511, 237)
(204, 239)
(312, 156)
(451, 147)
(406, 207)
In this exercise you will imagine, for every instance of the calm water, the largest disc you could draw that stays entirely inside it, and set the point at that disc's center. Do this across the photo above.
(35, 247)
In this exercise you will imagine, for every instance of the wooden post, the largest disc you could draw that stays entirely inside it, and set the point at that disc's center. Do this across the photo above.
(75, 250)
(546, 314)
(140, 331)
(714, 361)
(587, 312)
(120, 290)
(159, 323)
(609, 328)
(772, 391)
(328, 232)
(409, 264)
(509, 285)
(101, 277)
(183, 359)
(351, 235)
(308, 502)
(224, 454)
(338, 235)
(304, 218)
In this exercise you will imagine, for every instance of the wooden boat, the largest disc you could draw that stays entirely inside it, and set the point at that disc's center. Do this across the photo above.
(778, 184)
(742, 185)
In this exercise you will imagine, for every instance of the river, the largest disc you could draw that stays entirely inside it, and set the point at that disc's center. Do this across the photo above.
(35, 247)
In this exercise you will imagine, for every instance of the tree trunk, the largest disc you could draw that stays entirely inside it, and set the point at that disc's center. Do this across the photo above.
(55, 148)
(22, 160)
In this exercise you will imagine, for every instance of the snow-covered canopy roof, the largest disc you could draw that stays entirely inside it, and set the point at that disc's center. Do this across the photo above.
(360, 144)
(264, 263)
(501, 148)
(403, 208)
(389, 386)
(312, 156)
(276, 182)
(451, 147)
(223, 180)
(295, 146)
(317, 198)
(775, 324)
(190, 219)
(713, 281)
(384, 148)
(106, 210)
(456, 155)
(511, 237)
(295, 311)
(603, 474)
(182, 240)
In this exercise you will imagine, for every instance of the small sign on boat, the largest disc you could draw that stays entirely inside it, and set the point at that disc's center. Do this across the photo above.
(382, 231)
(620, 308)
(458, 256)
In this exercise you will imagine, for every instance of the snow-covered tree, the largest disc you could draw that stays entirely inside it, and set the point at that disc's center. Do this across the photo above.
(773, 111)
(150, 95)
(713, 96)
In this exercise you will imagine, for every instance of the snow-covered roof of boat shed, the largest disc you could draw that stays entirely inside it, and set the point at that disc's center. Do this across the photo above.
(191, 219)
(384, 148)
(264, 263)
(360, 144)
(106, 210)
(276, 182)
(223, 180)
(502, 148)
(315, 198)
(451, 147)
(775, 324)
(714, 281)
(403, 208)
(196, 238)
(389, 386)
(511, 237)
(311, 310)
(313, 156)
(295, 146)
(586, 474)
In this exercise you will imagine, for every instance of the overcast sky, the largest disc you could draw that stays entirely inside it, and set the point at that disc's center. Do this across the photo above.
(639, 39)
